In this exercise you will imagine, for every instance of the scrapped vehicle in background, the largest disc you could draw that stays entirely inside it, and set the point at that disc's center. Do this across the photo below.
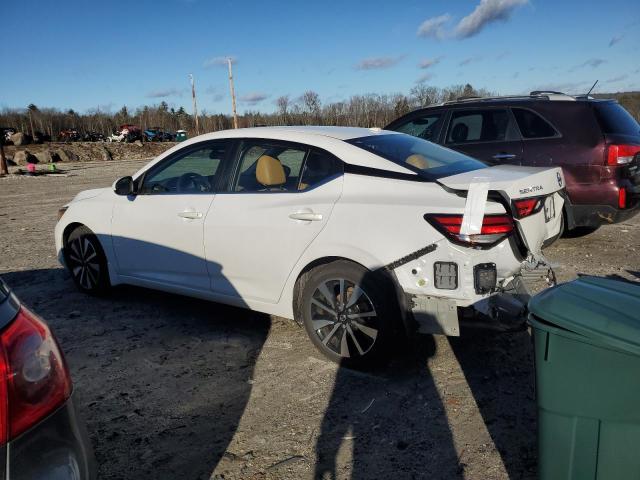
(6, 133)
(356, 233)
(156, 134)
(596, 142)
(153, 134)
(93, 137)
(69, 135)
(42, 436)
(126, 133)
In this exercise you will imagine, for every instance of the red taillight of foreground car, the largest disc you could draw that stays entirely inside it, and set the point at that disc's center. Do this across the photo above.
(494, 229)
(527, 206)
(35, 378)
(621, 154)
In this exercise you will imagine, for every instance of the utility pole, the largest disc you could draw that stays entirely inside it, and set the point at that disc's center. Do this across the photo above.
(233, 95)
(195, 105)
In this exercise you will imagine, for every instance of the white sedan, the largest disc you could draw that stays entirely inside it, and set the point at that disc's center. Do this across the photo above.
(358, 234)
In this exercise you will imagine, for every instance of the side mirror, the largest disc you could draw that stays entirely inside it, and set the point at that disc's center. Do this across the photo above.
(124, 186)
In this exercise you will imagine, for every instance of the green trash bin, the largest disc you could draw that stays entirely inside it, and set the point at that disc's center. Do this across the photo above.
(181, 135)
(587, 354)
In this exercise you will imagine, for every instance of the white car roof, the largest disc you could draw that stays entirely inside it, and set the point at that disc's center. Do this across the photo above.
(332, 139)
(294, 133)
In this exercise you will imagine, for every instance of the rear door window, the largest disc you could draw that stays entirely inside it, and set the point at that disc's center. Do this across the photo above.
(533, 125)
(613, 118)
(426, 127)
(471, 126)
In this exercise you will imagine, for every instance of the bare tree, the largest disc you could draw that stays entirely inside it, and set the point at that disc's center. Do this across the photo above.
(283, 107)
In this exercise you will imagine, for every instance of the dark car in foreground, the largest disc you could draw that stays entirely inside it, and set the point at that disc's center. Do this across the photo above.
(596, 142)
(41, 435)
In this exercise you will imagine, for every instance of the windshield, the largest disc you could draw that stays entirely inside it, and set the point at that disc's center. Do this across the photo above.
(613, 118)
(427, 159)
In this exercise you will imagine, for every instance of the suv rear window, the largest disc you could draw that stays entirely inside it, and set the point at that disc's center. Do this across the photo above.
(429, 160)
(532, 125)
(613, 118)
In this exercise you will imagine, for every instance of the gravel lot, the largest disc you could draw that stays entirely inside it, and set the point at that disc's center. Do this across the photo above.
(173, 387)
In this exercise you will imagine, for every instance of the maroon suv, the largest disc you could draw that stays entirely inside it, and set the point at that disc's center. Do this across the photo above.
(596, 142)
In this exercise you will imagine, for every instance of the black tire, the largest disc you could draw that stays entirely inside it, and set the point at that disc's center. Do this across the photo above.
(357, 335)
(86, 261)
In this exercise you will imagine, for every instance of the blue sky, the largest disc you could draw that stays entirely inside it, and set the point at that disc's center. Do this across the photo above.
(82, 54)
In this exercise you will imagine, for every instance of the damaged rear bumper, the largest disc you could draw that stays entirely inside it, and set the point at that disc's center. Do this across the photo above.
(504, 309)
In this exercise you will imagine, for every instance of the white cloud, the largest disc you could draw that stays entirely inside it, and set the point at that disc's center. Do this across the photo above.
(378, 63)
(429, 62)
(434, 27)
(615, 39)
(424, 78)
(469, 60)
(487, 11)
(163, 93)
(592, 62)
(219, 61)
(619, 78)
(254, 97)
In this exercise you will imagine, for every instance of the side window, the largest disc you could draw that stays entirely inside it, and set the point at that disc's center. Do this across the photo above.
(425, 127)
(533, 125)
(319, 167)
(193, 171)
(269, 166)
(492, 125)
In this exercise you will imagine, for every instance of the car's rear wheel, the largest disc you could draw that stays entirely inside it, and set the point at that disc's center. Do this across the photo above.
(347, 313)
(86, 261)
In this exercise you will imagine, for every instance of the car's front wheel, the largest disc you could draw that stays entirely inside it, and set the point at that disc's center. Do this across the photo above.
(86, 261)
(348, 313)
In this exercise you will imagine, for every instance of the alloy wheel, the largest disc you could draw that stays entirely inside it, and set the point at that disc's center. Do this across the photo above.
(84, 259)
(343, 317)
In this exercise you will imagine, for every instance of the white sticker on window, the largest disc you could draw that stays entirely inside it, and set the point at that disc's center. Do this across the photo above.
(475, 205)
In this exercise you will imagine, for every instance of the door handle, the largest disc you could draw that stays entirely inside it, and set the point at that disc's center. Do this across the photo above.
(503, 156)
(306, 216)
(190, 214)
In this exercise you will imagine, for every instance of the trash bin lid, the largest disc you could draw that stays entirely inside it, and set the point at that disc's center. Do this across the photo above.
(604, 310)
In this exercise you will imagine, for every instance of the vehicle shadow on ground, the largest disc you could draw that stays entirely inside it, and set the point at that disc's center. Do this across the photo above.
(192, 358)
(392, 421)
(500, 372)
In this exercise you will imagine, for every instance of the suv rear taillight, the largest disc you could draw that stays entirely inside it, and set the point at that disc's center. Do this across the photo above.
(621, 154)
(527, 206)
(494, 229)
(35, 379)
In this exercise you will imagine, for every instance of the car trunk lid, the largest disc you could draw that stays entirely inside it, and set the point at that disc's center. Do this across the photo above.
(515, 183)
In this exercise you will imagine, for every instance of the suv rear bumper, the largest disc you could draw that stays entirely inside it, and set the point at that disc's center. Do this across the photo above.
(596, 215)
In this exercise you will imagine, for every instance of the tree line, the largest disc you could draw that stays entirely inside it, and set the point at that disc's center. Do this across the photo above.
(368, 110)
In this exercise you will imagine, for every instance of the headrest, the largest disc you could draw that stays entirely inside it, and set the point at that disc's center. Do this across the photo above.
(269, 172)
(418, 161)
(460, 133)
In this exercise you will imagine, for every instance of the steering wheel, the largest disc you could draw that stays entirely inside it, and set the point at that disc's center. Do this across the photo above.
(191, 181)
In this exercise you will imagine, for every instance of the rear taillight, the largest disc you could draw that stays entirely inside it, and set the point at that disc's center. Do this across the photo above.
(621, 154)
(494, 228)
(527, 206)
(622, 198)
(35, 379)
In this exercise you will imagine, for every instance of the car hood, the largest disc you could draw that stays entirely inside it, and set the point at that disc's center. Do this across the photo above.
(86, 194)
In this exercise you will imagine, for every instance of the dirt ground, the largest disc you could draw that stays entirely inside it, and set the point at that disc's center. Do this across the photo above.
(177, 388)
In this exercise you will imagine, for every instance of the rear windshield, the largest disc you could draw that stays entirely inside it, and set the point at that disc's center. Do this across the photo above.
(613, 118)
(4, 291)
(429, 160)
